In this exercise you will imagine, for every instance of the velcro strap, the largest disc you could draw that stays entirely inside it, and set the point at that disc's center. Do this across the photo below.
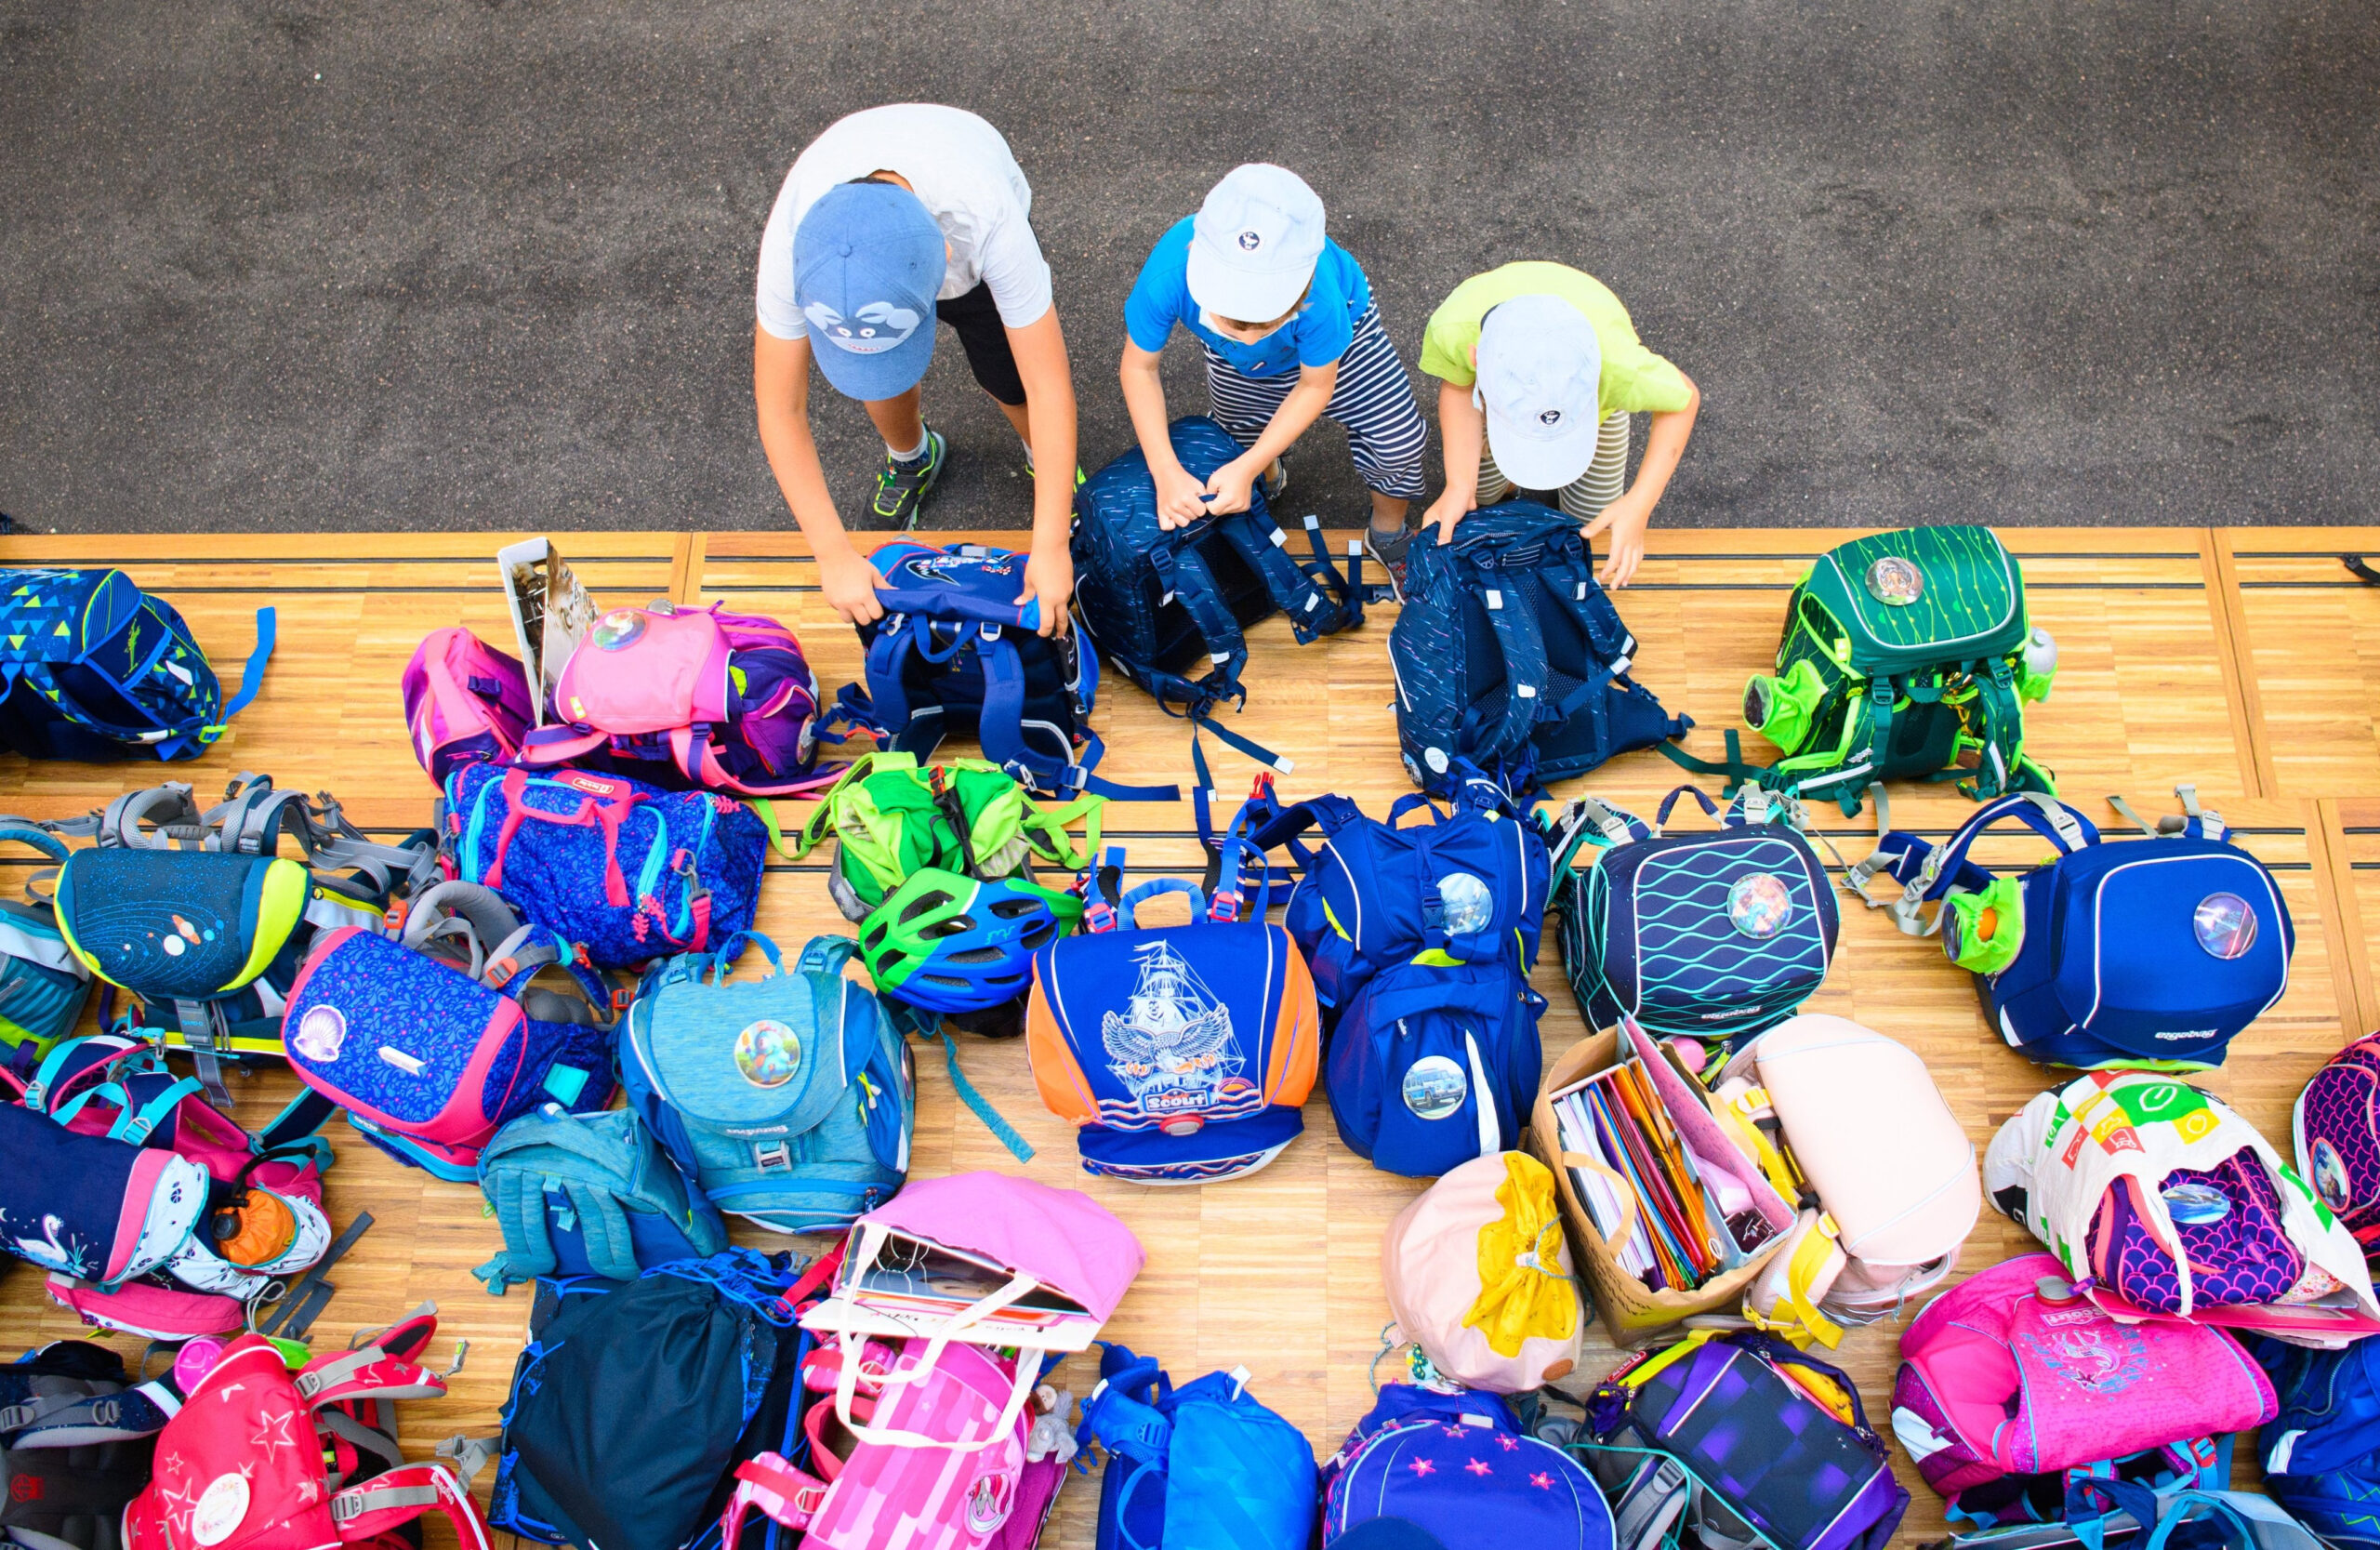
(349, 1505)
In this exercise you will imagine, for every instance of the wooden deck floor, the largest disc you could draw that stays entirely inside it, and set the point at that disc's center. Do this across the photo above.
(2245, 660)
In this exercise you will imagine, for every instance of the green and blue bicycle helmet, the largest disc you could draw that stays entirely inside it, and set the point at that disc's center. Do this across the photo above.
(950, 943)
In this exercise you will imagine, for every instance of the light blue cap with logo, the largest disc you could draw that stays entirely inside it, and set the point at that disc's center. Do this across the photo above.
(1254, 243)
(867, 263)
(1540, 375)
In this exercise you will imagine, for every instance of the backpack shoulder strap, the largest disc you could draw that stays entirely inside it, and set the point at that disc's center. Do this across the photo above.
(1931, 872)
(1312, 611)
(365, 1513)
(825, 955)
(1522, 642)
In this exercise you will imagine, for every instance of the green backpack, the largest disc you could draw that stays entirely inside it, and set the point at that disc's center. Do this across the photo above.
(1907, 655)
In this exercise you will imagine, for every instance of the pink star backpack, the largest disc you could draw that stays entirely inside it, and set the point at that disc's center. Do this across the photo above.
(261, 1458)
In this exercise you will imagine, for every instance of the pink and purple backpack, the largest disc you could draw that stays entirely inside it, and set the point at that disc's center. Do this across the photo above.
(692, 697)
(2013, 1384)
(2338, 1126)
(466, 703)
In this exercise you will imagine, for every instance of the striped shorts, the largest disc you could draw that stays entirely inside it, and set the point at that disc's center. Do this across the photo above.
(1584, 497)
(1374, 400)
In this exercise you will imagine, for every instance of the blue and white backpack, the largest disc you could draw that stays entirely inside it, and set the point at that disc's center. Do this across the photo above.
(629, 871)
(2150, 954)
(1457, 1465)
(788, 1100)
(1509, 657)
(1201, 1467)
(1710, 935)
(589, 1195)
(1169, 607)
(94, 668)
(954, 653)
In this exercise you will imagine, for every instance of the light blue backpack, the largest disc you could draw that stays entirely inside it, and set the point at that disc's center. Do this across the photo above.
(589, 1195)
(1201, 1468)
(787, 1100)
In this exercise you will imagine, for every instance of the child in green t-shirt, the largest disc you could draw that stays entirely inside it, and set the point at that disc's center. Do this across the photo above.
(1538, 369)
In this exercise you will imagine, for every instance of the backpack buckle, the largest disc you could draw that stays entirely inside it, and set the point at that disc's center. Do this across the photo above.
(1098, 915)
(1225, 908)
(622, 999)
(394, 917)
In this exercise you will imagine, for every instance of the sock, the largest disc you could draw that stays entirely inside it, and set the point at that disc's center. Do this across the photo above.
(1388, 544)
(925, 439)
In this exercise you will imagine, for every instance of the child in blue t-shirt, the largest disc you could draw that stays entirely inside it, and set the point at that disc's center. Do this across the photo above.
(1287, 321)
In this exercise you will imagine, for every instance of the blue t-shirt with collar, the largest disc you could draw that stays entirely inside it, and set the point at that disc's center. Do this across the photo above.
(1316, 337)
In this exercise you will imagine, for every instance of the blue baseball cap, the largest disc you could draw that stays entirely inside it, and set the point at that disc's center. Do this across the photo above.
(867, 262)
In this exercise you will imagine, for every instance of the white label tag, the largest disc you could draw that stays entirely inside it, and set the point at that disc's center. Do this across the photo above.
(1311, 521)
(409, 1065)
(1583, 592)
(1280, 539)
(1495, 598)
(1525, 691)
(1218, 657)
(1620, 665)
(179, 671)
(1312, 601)
(1169, 598)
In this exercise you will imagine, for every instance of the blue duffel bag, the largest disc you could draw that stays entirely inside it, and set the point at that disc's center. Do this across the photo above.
(2146, 955)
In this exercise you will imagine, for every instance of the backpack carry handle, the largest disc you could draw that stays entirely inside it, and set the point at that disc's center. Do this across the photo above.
(2184, 1505)
(1126, 907)
(1709, 808)
(733, 949)
(1414, 801)
(922, 603)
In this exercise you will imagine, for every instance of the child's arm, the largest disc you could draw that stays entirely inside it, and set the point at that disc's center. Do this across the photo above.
(1627, 518)
(1304, 406)
(1462, 428)
(1179, 497)
(1040, 351)
(781, 391)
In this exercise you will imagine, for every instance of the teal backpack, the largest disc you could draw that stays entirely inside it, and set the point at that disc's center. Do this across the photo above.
(1905, 655)
(589, 1195)
(94, 668)
(788, 1100)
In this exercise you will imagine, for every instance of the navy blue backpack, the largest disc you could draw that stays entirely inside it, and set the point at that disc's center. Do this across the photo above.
(1201, 1467)
(2322, 1453)
(954, 653)
(1168, 608)
(2146, 954)
(1434, 1064)
(1510, 657)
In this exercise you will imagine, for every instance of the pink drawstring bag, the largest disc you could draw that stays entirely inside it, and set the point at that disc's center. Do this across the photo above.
(466, 703)
(723, 702)
(2013, 1372)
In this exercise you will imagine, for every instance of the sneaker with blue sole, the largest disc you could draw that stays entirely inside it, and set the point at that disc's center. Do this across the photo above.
(902, 488)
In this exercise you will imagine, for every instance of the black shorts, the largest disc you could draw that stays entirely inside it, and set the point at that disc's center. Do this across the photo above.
(985, 337)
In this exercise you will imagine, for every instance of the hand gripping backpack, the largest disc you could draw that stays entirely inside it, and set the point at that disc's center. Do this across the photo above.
(197, 914)
(1885, 1174)
(76, 1440)
(1509, 657)
(709, 1350)
(1478, 1275)
(589, 1195)
(1201, 1467)
(1904, 654)
(2321, 1452)
(466, 703)
(1180, 1053)
(687, 698)
(43, 985)
(788, 1101)
(2149, 955)
(2014, 1391)
(632, 871)
(1170, 607)
(429, 1057)
(1454, 1465)
(95, 669)
(2157, 1197)
(261, 1458)
(954, 653)
(1750, 1440)
(2336, 1123)
(1711, 936)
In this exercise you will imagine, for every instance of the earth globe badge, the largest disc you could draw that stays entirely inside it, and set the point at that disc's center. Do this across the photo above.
(1759, 905)
(1434, 1087)
(768, 1053)
(618, 628)
(1896, 582)
(2225, 925)
(1465, 904)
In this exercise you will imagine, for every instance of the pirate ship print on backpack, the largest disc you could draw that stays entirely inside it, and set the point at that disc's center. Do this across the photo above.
(1173, 1047)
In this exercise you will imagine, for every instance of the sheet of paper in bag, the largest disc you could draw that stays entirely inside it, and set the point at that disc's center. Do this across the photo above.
(552, 613)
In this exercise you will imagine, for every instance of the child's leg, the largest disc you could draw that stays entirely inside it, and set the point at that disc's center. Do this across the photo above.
(1386, 434)
(1585, 496)
(1493, 485)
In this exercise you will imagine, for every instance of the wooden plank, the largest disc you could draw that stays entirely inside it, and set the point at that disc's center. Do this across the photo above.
(2309, 642)
(2238, 675)
(1278, 1272)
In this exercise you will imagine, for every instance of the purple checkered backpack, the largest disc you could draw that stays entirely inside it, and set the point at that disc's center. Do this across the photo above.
(691, 697)
(2338, 1126)
(466, 703)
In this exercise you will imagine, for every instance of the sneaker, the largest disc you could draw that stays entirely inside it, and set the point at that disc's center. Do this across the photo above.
(1030, 473)
(902, 488)
(1389, 553)
(1275, 480)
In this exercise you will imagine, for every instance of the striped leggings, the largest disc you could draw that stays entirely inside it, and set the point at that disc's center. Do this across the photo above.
(1584, 497)
(1374, 400)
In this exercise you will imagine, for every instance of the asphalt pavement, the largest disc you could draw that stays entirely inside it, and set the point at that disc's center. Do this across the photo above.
(444, 264)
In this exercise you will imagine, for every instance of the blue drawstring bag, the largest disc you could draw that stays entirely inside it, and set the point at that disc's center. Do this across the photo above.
(1201, 1467)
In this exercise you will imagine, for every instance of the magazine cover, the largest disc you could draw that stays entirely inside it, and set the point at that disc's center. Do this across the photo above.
(552, 612)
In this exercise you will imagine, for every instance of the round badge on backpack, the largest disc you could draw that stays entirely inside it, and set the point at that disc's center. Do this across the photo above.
(768, 1053)
(220, 1510)
(1759, 905)
(1896, 582)
(2331, 1181)
(1465, 904)
(1434, 1087)
(320, 1033)
(617, 629)
(2224, 926)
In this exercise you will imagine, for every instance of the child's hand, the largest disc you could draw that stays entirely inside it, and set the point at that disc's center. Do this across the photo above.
(850, 583)
(1625, 520)
(1180, 499)
(1450, 509)
(1050, 578)
(1231, 487)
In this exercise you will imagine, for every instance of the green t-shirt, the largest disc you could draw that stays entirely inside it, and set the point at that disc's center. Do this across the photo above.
(1633, 378)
